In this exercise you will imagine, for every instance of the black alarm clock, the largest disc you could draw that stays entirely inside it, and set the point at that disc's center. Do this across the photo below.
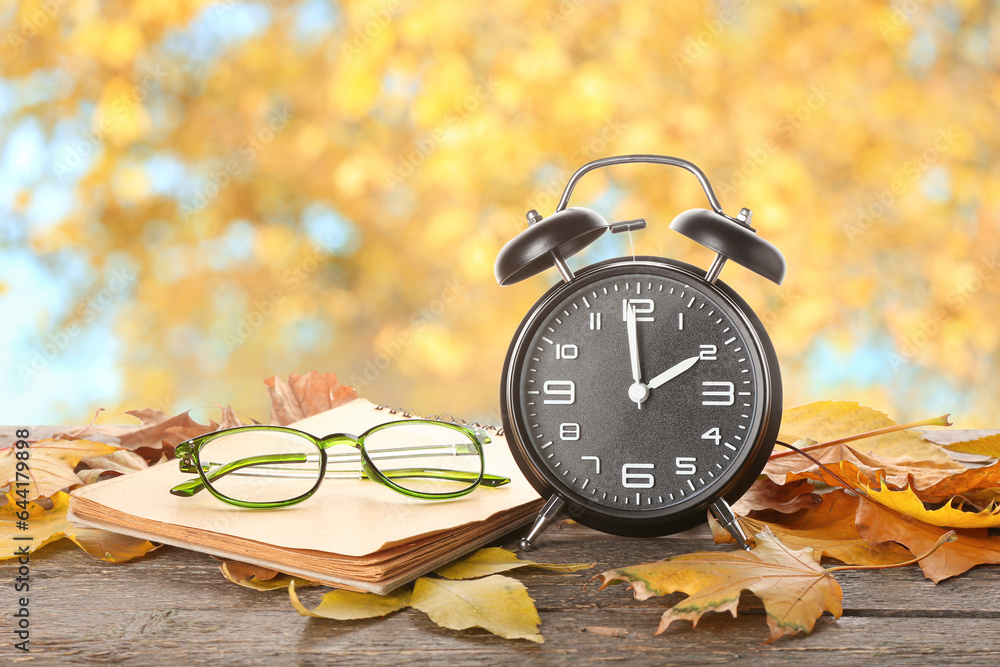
(639, 392)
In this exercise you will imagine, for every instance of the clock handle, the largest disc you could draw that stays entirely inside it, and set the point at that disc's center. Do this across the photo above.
(646, 158)
(552, 509)
(724, 515)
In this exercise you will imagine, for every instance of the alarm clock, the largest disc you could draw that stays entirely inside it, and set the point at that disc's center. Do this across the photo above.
(639, 392)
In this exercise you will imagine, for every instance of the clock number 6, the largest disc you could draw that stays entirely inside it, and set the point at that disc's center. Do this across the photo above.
(637, 480)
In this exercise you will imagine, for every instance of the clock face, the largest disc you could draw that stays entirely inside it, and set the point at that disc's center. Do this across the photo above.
(658, 440)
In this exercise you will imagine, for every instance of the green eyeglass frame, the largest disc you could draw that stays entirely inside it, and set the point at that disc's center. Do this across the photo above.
(187, 454)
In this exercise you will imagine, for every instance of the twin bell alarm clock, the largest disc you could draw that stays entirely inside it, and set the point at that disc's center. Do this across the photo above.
(639, 392)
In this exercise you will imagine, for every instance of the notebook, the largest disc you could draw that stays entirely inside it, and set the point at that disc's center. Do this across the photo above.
(352, 534)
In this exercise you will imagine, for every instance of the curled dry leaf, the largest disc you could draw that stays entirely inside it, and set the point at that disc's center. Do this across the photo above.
(305, 395)
(765, 494)
(828, 528)
(493, 560)
(825, 421)
(971, 547)
(159, 434)
(350, 605)
(795, 590)
(261, 578)
(111, 547)
(51, 464)
(496, 603)
(119, 462)
(981, 485)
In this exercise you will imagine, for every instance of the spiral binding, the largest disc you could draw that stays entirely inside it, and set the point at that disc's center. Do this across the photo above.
(444, 417)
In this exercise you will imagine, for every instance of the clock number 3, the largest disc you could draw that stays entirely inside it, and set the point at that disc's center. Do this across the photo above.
(720, 393)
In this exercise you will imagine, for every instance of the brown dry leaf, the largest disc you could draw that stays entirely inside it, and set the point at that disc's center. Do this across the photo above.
(305, 395)
(825, 421)
(50, 466)
(898, 472)
(982, 485)
(828, 528)
(972, 546)
(261, 578)
(119, 462)
(795, 590)
(765, 494)
(49, 524)
(159, 434)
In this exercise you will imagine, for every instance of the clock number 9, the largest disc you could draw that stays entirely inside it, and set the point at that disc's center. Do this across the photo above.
(565, 389)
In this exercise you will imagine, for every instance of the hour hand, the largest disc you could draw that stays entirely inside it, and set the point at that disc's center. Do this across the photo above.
(633, 345)
(672, 372)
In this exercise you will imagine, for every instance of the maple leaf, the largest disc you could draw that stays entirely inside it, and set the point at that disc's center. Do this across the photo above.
(765, 494)
(971, 547)
(495, 603)
(795, 590)
(352, 605)
(979, 484)
(261, 578)
(50, 465)
(305, 395)
(906, 501)
(988, 445)
(114, 464)
(829, 528)
(159, 434)
(825, 421)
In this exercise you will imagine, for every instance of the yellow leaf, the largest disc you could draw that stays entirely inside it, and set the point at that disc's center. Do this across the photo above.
(348, 605)
(48, 525)
(905, 501)
(493, 560)
(496, 603)
(985, 446)
(260, 578)
(795, 590)
(825, 421)
(50, 464)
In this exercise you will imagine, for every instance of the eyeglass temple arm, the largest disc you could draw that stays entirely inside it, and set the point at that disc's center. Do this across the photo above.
(191, 487)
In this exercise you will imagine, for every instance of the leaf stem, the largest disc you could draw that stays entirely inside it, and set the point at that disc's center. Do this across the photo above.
(950, 536)
(936, 421)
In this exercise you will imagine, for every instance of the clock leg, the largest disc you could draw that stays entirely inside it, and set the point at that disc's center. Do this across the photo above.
(724, 515)
(553, 507)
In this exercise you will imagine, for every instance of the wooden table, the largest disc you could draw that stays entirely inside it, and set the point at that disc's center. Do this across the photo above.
(174, 607)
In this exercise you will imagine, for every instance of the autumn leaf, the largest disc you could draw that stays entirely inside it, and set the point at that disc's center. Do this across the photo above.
(350, 605)
(971, 547)
(765, 494)
(825, 421)
(905, 501)
(114, 464)
(986, 446)
(305, 395)
(795, 590)
(49, 524)
(493, 560)
(828, 528)
(261, 578)
(50, 466)
(980, 485)
(496, 603)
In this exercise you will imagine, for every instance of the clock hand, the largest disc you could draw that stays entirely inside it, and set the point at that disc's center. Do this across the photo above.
(672, 372)
(637, 391)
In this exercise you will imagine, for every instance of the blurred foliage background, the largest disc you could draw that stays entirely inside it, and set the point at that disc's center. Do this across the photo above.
(198, 195)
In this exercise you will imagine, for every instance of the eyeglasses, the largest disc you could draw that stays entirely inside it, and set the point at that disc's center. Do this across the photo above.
(263, 466)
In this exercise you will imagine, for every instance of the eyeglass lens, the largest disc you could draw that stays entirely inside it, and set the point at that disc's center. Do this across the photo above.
(425, 457)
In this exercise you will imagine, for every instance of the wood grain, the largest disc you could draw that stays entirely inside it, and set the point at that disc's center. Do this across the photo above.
(174, 607)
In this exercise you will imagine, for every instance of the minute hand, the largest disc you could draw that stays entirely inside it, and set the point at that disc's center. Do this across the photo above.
(672, 372)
